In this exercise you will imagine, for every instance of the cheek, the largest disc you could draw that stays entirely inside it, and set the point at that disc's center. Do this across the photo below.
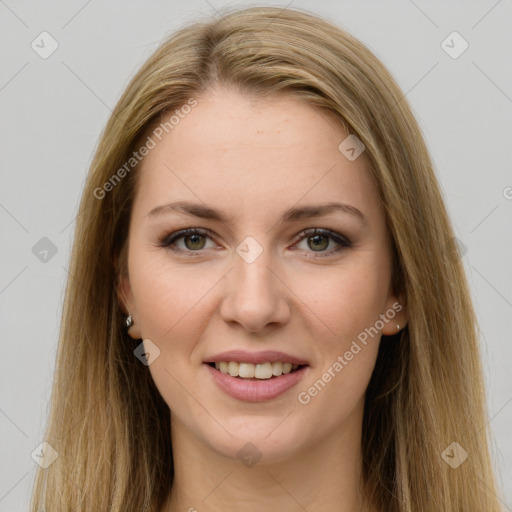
(348, 302)
(172, 304)
(169, 298)
(346, 299)
(349, 305)
(336, 392)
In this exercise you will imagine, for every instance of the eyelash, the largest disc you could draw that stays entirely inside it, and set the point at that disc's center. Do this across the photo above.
(343, 241)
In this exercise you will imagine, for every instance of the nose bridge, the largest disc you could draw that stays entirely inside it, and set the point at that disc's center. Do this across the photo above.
(254, 296)
(252, 263)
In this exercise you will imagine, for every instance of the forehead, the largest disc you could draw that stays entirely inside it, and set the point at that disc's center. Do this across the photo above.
(242, 154)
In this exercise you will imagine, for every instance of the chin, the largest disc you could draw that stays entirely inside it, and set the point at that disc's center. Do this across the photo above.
(264, 440)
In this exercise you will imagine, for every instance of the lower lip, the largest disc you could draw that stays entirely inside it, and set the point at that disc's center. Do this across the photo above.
(256, 390)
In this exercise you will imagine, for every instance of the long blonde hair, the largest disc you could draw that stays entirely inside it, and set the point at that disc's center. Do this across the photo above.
(108, 422)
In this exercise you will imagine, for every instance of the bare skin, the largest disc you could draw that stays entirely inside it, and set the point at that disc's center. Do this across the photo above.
(255, 159)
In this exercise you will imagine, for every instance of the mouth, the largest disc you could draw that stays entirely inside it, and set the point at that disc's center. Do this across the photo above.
(257, 382)
(255, 372)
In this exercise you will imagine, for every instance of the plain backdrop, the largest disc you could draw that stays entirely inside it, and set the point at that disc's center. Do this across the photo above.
(53, 110)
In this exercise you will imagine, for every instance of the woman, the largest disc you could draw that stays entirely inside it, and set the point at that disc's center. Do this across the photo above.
(267, 310)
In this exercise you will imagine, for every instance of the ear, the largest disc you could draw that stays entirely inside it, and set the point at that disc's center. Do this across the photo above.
(394, 314)
(125, 298)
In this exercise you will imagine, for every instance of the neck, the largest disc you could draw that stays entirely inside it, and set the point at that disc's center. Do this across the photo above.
(325, 476)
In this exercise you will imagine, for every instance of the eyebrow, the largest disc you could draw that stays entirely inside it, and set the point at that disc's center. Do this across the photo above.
(293, 214)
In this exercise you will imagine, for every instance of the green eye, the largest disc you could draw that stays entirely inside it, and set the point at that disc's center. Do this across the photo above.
(318, 241)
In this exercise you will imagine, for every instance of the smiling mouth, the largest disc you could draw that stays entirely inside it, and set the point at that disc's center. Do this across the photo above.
(249, 371)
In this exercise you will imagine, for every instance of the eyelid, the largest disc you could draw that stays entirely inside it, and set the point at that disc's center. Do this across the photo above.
(343, 241)
(170, 238)
(333, 235)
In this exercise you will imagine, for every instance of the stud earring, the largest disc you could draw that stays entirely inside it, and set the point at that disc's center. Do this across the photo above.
(129, 321)
(398, 328)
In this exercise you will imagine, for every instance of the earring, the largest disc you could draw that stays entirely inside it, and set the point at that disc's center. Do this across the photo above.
(398, 328)
(129, 321)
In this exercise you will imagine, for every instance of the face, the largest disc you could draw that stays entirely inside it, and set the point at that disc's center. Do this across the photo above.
(259, 280)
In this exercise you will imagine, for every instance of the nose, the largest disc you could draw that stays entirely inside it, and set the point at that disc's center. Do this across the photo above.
(255, 296)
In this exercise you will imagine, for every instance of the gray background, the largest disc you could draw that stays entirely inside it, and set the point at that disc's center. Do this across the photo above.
(53, 111)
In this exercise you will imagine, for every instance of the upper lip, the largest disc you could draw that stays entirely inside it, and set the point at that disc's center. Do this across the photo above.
(267, 356)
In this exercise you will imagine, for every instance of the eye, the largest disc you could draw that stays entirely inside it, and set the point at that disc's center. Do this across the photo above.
(317, 241)
(194, 239)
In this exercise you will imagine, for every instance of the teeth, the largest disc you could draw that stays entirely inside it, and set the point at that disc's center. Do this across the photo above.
(247, 371)
(233, 369)
(259, 371)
